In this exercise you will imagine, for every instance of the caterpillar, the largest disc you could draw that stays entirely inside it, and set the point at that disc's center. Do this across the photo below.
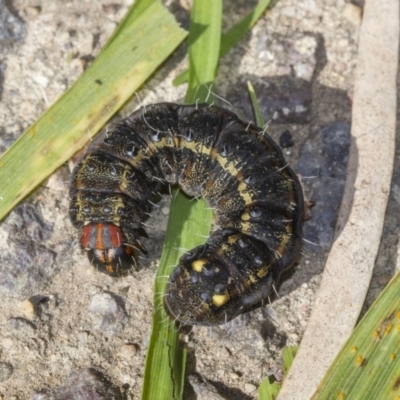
(207, 151)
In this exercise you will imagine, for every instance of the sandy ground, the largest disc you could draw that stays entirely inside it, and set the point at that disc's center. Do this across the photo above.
(57, 314)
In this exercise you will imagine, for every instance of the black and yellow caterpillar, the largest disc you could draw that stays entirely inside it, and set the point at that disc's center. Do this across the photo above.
(207, 151)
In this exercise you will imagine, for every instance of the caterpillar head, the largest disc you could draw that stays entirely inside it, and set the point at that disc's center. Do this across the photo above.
(216, 282)
(106, 249)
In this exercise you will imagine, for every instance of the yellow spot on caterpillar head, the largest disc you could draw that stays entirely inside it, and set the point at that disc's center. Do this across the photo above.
(220, 299)
(198, 265)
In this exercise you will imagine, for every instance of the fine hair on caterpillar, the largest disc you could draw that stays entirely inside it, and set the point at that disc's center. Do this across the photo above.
(206, 151)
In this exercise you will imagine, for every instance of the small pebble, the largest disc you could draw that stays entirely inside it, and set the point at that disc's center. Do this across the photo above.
(7, 343)
(33, 11)
(226, 352)
(249, 387)
(28, 309)
(128, 350)
(352, 14)
(234, 376)
(106, 312)
(111, 8)
(83, 337)
(165, 210)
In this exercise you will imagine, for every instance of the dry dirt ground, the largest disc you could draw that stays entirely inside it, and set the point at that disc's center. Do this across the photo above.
(57, 314)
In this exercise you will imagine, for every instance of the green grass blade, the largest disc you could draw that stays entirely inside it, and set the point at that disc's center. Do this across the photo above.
(236, 33)
(137, 9)
(189, 221)
(233, 36)
(269, 390)
(256, 107)
(288, 355)
(67, 125)
(165, 363)
(368, 367)
(204, 48)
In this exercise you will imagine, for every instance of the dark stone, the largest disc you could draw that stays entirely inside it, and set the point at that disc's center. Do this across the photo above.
(26, 224)
(324, 175)
(286, 139)
(27, 265)
(87, 384)
(286, 100)
(282, 100)
(12, 31)
(22, 328)
(6, 370)
(106, 312)
(12, 27)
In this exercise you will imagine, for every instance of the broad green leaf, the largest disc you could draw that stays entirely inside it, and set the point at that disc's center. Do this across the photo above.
(189, 221)
(233, 36)
(137, 9)
(368, 366)
(120, 69)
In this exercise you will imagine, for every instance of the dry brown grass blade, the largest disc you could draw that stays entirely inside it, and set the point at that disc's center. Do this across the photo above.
(349, 267)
